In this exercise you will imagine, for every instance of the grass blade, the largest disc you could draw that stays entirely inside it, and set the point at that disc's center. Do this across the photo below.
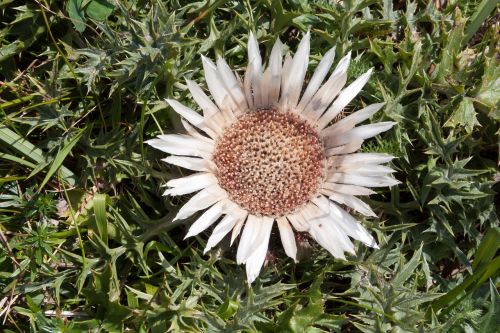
(26, 148)
(480, 275)
(61, 155)
(100, 216)
(17, 160)
(483, 11)
(487, 249)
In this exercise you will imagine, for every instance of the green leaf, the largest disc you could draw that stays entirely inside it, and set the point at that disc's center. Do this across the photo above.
(11, 49)
(447, 65)
(488, 93)
(464, 115)
(298, 318)
(304, 21)
(491, 320)
(76, 14)
(99, 9)
(408, 269)
(228, 308)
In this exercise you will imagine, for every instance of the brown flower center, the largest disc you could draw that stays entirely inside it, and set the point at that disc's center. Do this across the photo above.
(270, 162)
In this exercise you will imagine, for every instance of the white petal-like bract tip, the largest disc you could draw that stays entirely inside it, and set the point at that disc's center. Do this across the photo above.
(201, 200)
(287, 238)
(207, 61)
(205, 220)
(257, 257)
(344, 98)
(253, 51)
(317, 78)
(295, 77)
(190, 115)
(220, 231)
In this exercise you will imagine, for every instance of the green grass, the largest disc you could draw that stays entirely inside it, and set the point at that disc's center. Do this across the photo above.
(87, 242)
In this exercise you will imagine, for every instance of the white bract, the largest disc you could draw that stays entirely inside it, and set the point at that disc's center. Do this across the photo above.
(266, 150)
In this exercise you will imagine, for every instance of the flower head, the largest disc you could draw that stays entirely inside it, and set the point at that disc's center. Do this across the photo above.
(266, 151)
